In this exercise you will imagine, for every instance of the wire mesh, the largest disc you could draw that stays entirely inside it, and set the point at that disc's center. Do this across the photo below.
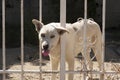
(62, 71)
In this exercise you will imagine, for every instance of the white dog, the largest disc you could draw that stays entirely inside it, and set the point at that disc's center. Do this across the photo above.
(50, 36)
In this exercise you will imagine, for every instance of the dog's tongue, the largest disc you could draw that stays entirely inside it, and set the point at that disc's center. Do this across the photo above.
(45, 53)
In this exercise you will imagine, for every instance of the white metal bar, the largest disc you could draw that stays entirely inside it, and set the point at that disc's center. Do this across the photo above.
(22, 40)
(40, 54)
(103, 37)
(85, 25)
(40, 61)
(56, 71)
(103, 30)
(3, 39)
(40, 10)
(63, 24)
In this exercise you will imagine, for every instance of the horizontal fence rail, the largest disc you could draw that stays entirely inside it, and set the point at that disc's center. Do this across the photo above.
(57, 72)
(62, 71)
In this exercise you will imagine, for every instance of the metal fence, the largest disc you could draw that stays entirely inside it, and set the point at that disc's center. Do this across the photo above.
(62, 62)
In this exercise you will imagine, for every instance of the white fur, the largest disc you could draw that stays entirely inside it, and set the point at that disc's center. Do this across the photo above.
(74, 42)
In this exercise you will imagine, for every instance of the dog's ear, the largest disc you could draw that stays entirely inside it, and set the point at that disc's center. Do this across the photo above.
(38, 24)
(61, 30)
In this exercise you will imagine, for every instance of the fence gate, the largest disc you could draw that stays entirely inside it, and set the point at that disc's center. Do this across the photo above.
(62, 71)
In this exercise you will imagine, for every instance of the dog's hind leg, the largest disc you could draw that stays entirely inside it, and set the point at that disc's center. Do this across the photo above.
(88, 61)
(98, 53)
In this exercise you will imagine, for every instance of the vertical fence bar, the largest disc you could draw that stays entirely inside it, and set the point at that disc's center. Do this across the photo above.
(103, 37)
(63, 23)
(85, 25)
(40, 54)
(40, 10)
(3, 39)
(22, 40)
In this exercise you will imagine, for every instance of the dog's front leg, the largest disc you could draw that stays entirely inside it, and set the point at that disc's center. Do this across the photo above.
(70, 67)
(54, 64)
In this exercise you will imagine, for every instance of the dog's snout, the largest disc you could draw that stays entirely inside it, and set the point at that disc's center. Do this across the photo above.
(45, 47)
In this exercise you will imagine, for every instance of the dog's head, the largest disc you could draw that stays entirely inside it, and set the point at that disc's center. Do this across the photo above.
(49, 35)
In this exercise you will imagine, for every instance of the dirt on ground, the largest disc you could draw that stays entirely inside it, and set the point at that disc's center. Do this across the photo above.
(31, 59)
(78, 67)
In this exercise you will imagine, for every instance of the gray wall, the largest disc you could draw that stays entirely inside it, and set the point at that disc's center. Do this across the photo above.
(112, 12)
(51, 12)
(31, 11)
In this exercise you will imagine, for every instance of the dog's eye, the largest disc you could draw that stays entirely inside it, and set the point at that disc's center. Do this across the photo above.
(52, 36)
(42, 35)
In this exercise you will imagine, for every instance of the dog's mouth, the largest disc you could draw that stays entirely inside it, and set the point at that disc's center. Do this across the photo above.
(45, 52)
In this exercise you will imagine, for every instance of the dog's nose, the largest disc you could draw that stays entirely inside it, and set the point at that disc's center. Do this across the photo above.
(45, 47)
